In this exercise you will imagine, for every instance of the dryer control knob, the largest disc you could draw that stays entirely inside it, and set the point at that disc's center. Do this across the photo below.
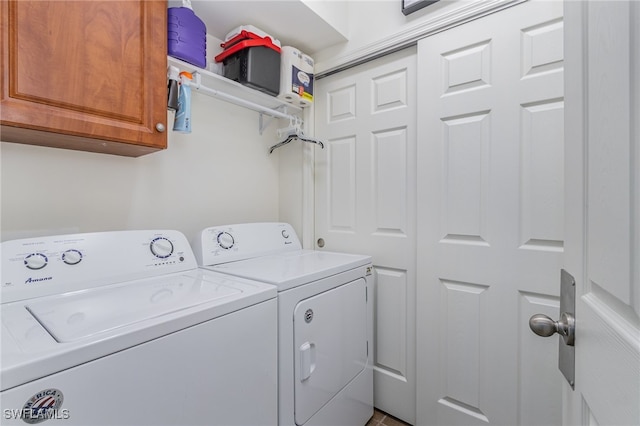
(225, 240)
(72, 257)
(36, 261)
(161, 247)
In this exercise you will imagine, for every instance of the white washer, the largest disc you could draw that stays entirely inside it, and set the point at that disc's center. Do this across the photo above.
(123, 328)
(325, 318)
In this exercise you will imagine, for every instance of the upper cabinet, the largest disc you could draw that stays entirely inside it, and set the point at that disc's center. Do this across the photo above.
(84, 75)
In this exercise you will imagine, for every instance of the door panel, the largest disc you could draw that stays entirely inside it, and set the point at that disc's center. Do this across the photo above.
(490, 217)
(603, 206)
(542, 200)
(330, 336)
(465, 169)
(365, 203)
(391, 321)
(342, 178)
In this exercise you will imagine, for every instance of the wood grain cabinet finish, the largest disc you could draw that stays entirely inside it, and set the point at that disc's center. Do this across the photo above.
(84, 75)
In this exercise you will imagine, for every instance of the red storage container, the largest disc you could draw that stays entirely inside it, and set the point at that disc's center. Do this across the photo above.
(253, 61)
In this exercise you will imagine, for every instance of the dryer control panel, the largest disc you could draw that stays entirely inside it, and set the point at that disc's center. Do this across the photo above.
(229, 243)
(35, 267)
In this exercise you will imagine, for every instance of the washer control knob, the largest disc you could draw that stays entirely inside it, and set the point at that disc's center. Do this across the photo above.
(72, 257)
(225, 240)
(36, 261)
(285, 234)
(161, 247)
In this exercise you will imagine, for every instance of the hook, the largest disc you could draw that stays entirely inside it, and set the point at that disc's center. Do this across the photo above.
(197, 78)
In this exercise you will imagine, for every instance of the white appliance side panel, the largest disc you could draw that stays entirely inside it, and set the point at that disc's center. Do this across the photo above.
(220, 372)
(330, 344)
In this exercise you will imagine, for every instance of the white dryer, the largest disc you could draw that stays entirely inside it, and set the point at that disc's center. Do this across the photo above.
(325, 318)
(123, 328)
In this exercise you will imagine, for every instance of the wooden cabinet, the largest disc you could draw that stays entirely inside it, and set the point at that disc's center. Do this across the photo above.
(84, 75)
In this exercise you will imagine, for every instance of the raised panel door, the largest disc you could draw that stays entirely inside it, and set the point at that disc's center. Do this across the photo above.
(603, 210)
(365, 203)
(490, 218)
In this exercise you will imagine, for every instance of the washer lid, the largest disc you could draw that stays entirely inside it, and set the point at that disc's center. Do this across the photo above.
(291, 269)
(73, 316)
(49, 334)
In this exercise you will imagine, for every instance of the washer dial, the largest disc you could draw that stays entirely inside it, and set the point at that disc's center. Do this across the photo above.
(36, 261)
(161, 247)
(72, 257)
(225, 240)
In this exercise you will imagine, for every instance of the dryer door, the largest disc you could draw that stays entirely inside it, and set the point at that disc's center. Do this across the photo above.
(330, 336)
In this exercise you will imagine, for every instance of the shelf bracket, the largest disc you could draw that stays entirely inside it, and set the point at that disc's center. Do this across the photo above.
(266, 119)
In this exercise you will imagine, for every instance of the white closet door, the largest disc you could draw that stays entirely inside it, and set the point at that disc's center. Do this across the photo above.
(490, 218)
(365, 203)
(603, 209)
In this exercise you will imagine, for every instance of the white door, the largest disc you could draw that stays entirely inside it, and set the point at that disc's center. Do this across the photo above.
(365, 203)
(490, 218)
(603, 209)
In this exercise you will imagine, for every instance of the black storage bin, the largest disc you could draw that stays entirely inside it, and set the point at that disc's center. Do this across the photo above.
(257, 67)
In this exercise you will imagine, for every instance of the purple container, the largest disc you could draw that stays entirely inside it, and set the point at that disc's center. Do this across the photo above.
(186, 36)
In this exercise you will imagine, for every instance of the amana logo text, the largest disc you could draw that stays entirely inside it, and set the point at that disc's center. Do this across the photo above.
(35, 280)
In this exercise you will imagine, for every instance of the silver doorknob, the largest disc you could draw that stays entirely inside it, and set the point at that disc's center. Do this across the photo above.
(544, 326)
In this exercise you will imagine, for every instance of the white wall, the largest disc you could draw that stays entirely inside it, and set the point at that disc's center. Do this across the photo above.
(373, 21)
(220, 173)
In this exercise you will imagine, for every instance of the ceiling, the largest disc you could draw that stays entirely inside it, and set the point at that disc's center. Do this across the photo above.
(290, 21)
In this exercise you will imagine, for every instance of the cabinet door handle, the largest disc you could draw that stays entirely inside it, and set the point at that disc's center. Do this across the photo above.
(160, 127)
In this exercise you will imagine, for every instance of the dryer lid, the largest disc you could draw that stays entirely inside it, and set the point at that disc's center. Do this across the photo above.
(73, 316)
(291, 269)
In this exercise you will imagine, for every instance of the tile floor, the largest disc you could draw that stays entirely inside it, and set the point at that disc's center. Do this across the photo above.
(380, 418)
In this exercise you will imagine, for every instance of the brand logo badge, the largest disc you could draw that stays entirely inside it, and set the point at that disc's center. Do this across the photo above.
(35, 280)
(42, 406)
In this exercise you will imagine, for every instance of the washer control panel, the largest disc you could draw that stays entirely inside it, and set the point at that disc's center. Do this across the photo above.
(228, 243)
(36, 267)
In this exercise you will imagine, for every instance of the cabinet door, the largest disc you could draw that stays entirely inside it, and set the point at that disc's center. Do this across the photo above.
(85, 75)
